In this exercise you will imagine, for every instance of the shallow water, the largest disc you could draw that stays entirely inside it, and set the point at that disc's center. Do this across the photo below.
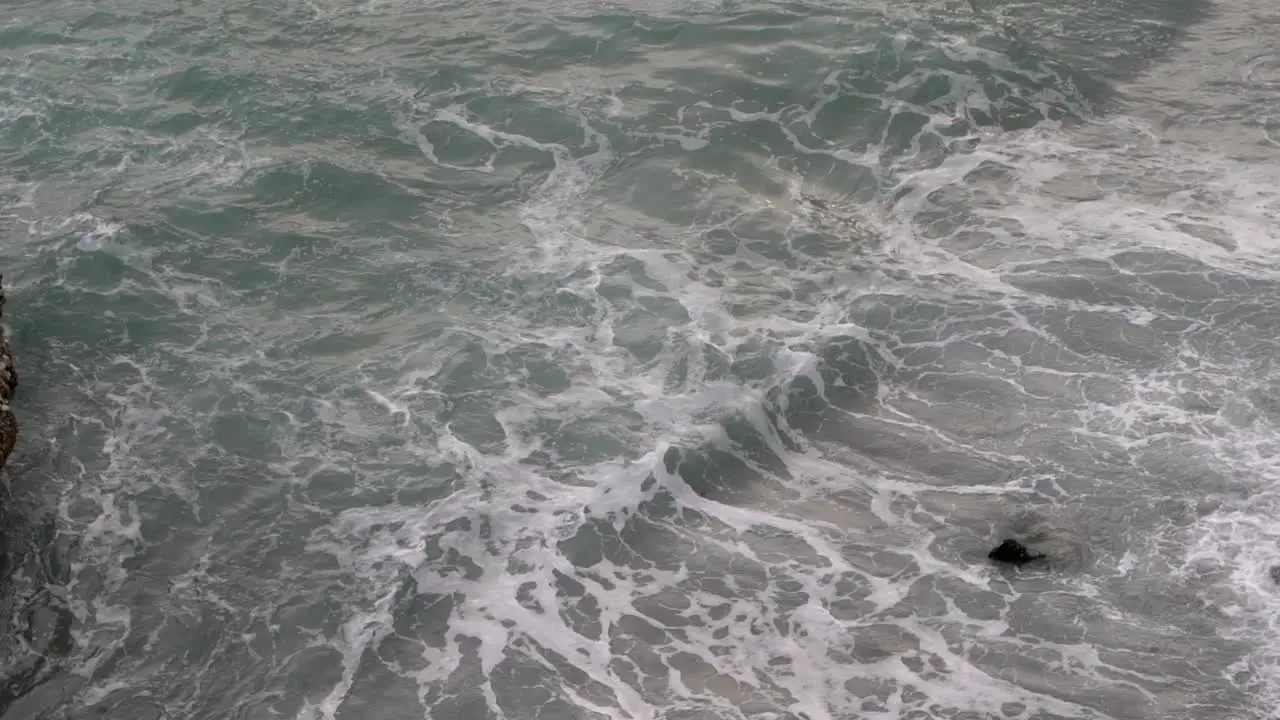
(663, 361)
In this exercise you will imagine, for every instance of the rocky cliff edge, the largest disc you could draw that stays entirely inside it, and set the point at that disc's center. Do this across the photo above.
(8, 386)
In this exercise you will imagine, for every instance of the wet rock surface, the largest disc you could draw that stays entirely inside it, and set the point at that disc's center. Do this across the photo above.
(8, 386)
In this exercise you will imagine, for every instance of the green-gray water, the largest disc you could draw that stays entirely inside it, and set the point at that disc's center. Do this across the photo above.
(671, 360)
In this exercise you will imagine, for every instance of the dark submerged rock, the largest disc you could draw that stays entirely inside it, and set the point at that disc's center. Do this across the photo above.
(1012, 552)
(1274, 572)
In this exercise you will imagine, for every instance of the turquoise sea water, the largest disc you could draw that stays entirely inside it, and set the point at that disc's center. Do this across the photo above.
(676, 360)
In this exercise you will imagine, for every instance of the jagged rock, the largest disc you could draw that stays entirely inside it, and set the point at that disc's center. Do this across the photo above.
(8, 386)
(1012, 552)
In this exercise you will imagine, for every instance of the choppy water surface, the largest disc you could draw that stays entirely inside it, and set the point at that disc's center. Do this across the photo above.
(675, 360)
